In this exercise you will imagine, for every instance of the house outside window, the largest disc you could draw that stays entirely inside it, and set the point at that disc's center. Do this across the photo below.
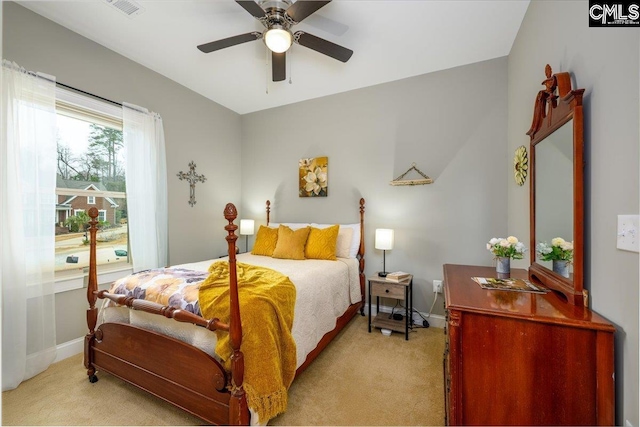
(90, 173)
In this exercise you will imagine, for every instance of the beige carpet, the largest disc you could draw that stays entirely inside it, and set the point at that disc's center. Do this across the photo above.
(360, 379)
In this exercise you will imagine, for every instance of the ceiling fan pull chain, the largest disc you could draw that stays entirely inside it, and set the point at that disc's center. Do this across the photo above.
(290, 64)
(266, 72)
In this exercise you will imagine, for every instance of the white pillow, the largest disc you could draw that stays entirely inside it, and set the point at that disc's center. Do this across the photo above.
(355, 238)
(291, 225)
(343, 244)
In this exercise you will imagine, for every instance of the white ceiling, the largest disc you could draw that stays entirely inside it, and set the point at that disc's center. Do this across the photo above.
(391, 40)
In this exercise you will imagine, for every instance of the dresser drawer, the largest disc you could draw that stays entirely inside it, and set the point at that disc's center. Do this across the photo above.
(389, 290)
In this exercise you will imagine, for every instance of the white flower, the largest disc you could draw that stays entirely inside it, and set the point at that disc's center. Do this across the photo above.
(316, 181)
(510, 247)
(558, 250)
(566, 246)
(304, 163)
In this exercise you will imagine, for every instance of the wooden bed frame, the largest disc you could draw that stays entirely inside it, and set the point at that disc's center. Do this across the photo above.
(179, 373)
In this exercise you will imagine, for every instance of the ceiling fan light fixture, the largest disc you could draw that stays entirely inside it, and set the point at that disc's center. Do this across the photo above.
(278, 39)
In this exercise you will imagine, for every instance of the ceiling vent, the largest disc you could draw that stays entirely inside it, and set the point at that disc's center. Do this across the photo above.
(128, 7)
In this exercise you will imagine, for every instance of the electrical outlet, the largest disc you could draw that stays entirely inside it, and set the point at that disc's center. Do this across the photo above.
(437, 286)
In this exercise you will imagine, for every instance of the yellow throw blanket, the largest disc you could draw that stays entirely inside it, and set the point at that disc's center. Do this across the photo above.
(267, 300)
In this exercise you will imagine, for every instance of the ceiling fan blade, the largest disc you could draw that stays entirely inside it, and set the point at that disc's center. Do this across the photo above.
(303, 8)
(323, 46)
(278, 66)
(230, 41)
(252, 7)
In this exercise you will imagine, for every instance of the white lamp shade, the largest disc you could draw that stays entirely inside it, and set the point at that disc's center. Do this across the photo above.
(384, 238)
(278, 40)
(246, 227)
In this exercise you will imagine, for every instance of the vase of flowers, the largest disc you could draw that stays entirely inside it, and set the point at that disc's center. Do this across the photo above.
(505, 250)
(560, 253)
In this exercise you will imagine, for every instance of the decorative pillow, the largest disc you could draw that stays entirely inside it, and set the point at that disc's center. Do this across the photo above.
(355, 238)
(345, 235)
(290, 243)
(321, 243)
(266, 240)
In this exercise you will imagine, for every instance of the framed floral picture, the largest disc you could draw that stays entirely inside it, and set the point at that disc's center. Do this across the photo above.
(312, 177)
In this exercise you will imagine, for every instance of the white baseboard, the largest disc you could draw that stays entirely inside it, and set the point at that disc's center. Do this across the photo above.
(69, 348)
(435, 320)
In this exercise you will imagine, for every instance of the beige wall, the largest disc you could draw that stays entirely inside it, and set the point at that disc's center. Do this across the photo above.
(604, 61)
(195, 129)
(452, 124)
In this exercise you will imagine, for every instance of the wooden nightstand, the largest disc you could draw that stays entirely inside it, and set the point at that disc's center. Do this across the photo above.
(381, 287)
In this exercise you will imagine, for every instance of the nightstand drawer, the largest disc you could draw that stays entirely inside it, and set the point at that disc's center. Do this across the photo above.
(387, 290)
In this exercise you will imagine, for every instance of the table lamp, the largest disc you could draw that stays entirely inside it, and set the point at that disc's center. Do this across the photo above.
(384, 241)
(246, 229)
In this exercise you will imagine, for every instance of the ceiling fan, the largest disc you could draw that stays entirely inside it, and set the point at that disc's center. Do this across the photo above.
(278, 16)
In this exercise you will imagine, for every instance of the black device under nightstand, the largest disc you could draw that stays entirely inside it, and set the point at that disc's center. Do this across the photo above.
(401, 291)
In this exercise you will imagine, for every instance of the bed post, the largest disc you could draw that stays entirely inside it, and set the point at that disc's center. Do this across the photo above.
(361, 256)
(268, 211)
(238, 409)
(92, 288)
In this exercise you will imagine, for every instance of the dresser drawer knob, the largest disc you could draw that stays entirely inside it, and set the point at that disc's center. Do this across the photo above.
(386, 290)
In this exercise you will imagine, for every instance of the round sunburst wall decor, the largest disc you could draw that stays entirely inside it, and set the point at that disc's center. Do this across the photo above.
(520, 165)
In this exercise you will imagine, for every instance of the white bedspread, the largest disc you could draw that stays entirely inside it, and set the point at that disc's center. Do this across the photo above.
(324, 291)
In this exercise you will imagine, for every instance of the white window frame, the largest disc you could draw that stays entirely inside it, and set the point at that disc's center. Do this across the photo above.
(102, 214)
(91, 200)
(102, 113)
(77, 211)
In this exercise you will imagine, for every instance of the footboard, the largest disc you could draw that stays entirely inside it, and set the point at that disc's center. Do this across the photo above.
(156, 363)
(168, 368)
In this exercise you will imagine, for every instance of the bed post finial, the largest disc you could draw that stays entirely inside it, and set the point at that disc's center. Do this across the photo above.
(238, 412)
(92, 288)
(268, 211)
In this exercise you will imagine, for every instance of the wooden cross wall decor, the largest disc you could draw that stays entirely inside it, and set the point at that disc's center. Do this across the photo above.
(193, 178)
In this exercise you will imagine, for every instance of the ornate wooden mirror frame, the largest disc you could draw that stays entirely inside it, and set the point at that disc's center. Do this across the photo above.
(551, 112)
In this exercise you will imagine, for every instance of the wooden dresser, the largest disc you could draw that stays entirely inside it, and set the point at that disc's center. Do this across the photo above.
(515, 358)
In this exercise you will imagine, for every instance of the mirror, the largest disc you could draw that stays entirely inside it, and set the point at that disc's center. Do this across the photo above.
(554, 189)
(556, 186)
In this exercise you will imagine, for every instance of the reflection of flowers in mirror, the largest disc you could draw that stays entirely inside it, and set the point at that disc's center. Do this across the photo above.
(559, 249)
(509, 247)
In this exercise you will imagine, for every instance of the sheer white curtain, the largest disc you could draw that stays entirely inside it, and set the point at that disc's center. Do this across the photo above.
(28, 174)
(146, 174)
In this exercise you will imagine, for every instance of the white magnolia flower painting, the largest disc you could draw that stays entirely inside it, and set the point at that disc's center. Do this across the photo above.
(313, 177)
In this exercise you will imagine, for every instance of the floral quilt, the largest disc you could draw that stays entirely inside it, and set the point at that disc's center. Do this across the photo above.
(176, 287)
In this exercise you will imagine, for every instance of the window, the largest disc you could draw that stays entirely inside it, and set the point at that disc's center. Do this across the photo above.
(90, 172)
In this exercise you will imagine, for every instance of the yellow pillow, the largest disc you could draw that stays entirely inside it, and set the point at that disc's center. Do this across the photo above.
(265, 241)
(290, 243)
(321, 243)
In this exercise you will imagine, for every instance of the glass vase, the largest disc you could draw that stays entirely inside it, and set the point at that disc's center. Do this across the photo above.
(561, 267)
(503, 266)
